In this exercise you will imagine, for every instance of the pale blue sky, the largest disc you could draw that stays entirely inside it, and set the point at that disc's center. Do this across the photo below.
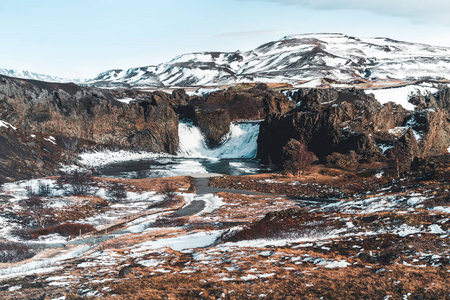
(81, 38)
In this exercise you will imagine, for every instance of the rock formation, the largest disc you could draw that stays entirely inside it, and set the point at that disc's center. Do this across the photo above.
(348, 127)
(94, 115)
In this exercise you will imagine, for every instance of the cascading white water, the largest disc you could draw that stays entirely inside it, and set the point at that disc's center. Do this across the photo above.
(240, 142)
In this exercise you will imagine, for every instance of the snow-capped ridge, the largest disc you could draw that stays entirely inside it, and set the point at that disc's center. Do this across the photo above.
(294, 59)
(23, 74)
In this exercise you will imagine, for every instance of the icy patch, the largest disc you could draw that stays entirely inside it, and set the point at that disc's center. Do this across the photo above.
(405, 230)
(444, 209)
(212, 202)
(385, 147)
(41, 266)
(183, 242)
(401, 130)
(436, 229)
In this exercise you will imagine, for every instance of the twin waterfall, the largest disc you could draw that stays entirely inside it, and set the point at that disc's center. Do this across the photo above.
(240, 142)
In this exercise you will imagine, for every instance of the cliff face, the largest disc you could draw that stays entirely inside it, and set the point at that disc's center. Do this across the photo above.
(23, 155)
(339, 123)
(68, 110)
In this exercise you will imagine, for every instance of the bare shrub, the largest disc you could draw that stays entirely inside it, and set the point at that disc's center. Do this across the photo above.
(36, 209)
(298, 158)
(14, 252)
(29, 190)
(44, 189)
(168, 191)
(79, 182)
(116, 192)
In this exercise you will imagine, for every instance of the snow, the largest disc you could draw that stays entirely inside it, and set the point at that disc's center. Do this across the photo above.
(444, 209)
(6, 125)
(330, 264)
(212, 202)
(41, 266)
(51, 139)
(434, 228)
(105, 157)
(183, 242)
(400, 95)
(126, 100)
(37, 76)
(202, 92)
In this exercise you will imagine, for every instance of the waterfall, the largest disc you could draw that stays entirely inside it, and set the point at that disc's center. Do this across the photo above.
(240, 142)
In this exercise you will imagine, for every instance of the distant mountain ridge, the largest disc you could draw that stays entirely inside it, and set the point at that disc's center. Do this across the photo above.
(293, 59)
(37, 76)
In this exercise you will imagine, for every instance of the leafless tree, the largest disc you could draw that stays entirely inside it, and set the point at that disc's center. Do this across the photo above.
(116, 192)
(168, 190)
(36, 209)
(79, 182)
(298, 158)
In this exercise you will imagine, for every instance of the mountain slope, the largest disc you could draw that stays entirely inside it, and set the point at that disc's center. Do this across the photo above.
(36, 76)
(293, 59)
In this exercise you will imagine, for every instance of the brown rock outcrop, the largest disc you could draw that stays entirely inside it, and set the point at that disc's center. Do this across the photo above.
(339, 123)
(23, 156)
(92, 114)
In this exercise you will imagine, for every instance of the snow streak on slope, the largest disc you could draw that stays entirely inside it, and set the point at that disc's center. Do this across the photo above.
(240, 142)
(293, 59)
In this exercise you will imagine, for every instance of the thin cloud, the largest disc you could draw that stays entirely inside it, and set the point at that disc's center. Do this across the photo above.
(247, 33)
(431, 11)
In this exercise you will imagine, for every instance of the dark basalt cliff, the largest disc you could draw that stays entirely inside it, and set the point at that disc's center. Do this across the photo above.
(90, 114)
(345, 127)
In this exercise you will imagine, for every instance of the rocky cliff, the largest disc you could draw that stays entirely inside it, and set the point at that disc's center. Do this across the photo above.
(344, 127)
(94, 115)
(23, 155)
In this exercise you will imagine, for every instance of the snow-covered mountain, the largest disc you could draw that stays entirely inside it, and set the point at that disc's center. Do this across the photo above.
(36, 76)
(293, 59)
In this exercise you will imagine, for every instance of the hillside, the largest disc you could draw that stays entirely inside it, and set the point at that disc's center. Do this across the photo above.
(293, 59)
